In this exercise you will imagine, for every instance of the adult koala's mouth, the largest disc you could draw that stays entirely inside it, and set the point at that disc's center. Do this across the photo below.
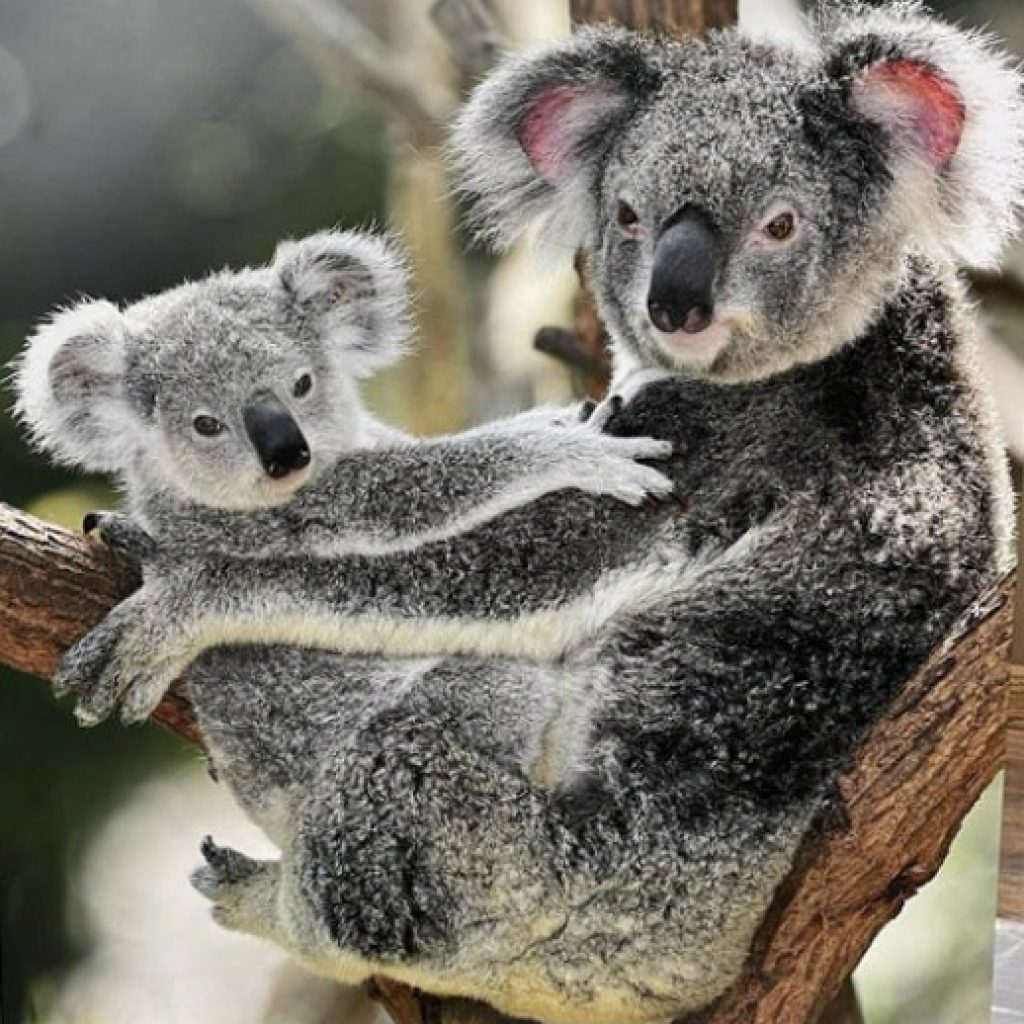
(730, 332)
(700, 348)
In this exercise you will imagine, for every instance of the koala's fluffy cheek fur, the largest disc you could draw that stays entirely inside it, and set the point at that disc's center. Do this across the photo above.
(222, 471)
(768, 309)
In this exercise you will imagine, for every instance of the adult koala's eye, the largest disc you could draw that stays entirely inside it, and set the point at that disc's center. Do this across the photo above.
(208, 426)
(303, 386)
(627, 218)
(781, 227)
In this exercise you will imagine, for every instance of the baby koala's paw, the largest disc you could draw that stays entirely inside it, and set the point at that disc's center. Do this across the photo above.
(121, 659)
(602, 464)
(120, 533)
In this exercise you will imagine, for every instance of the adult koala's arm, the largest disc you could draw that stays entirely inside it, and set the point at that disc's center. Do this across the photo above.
(413, 493)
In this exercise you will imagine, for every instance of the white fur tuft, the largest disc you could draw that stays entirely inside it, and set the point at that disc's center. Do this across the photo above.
(70, 387)
(356, 283)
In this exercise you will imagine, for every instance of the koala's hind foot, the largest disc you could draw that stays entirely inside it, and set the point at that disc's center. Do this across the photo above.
(243, 891)
(120, 533)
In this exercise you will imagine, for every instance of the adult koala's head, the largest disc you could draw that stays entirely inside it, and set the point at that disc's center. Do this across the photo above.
(745, 207)
(232, 391)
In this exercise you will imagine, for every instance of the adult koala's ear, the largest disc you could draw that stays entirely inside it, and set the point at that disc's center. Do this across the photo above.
(353, 288)
(949, 107)
(534, 136)
(72, 388)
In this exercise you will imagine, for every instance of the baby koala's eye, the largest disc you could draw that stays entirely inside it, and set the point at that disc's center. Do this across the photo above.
(208, 426)
(303, 386)
(627, 218)
(781, 227)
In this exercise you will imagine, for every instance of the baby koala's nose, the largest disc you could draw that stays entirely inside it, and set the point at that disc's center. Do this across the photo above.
(276, 436)
(288, 460)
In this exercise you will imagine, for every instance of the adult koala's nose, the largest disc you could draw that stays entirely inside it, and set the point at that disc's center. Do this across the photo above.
(275, 435)
(681, 296)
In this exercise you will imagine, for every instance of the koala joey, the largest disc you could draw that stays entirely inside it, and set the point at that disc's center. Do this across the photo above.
(240, 392)
(577, 801)
(229, 411)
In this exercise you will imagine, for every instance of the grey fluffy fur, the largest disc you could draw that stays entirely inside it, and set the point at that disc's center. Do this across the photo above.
(118, 391)
(577, 801)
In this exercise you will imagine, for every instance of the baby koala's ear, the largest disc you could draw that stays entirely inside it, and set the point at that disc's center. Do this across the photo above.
(72, 390)
(353, 286)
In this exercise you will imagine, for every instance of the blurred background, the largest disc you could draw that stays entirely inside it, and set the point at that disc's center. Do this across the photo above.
(143, 142)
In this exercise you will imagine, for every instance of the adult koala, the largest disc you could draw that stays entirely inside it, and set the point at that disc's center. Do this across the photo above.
(593, 835)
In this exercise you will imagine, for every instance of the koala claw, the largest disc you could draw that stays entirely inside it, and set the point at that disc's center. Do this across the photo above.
(142, 699)
(621, 473)
(240, 888)
(224, 865)
(606, 411)
(243, 891)
(82, 663)
(120, 533)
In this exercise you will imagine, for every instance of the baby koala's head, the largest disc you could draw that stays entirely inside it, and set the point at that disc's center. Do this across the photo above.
(232, 391)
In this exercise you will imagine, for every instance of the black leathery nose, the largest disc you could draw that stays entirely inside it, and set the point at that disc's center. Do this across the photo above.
(681, 295)
(279, 443)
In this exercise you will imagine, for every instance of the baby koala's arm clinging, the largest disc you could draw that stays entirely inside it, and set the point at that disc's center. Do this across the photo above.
(532, 583)
(412, 493)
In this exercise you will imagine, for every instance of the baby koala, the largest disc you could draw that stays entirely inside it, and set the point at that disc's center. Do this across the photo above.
(239, 393)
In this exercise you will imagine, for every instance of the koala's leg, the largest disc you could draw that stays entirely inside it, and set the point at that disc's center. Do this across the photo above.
(426, 853)
(269, 715)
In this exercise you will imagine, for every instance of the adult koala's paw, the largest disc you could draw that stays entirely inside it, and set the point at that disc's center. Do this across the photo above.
(122, 660)
(122, 534)
(223, 869)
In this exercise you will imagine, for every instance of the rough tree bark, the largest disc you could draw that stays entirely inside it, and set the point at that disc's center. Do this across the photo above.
(915, 777)
(676, 17)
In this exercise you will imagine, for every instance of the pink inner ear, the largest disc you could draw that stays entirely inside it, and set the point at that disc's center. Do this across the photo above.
(557, 121)
(918, 107)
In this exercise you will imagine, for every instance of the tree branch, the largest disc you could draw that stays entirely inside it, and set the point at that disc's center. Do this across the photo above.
(345, 48)
(676, 17)
(914, 778)
(473, 33)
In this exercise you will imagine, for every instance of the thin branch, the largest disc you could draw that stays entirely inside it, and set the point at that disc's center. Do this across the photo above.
(472, 31)
(347, 50)
(914, 778)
